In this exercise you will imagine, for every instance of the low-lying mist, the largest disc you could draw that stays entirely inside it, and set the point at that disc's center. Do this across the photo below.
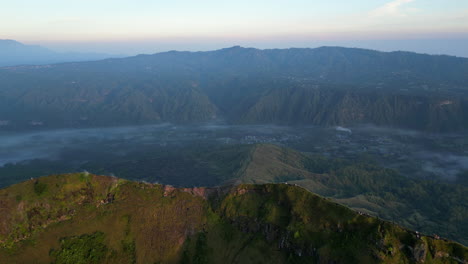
(414, 154)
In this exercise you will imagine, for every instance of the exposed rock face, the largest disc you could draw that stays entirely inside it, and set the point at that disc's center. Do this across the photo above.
(168, 189)
(203, 192)
(420, 252)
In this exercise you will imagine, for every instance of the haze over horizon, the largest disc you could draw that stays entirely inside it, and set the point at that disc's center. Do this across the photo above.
(129, 28)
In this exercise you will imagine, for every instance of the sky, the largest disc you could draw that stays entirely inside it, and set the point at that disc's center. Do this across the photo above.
(148, 26)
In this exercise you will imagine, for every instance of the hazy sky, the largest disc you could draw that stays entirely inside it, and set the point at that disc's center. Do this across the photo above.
(134, 26)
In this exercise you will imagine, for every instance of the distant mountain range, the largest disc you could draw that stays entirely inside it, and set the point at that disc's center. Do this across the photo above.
(324, 86)
(14, 53)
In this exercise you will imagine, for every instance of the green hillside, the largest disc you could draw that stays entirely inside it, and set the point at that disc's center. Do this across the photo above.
(429, 206)
(330, 107)
(432, 207)
(83, 218)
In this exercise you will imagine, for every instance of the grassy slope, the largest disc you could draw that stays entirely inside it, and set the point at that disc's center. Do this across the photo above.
(79, 197)
(273, 164)
(364, 187)
(63, 219)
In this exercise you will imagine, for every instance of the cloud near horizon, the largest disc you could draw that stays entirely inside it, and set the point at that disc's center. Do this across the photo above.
(393, 8)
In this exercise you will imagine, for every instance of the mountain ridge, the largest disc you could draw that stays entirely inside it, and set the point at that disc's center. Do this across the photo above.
(363, 186)
(359, 183)
(242, 86)
(64, 215)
